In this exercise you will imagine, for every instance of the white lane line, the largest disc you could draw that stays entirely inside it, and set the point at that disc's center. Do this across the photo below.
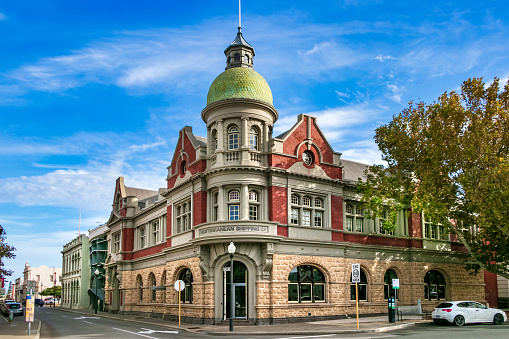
(310, 336)
(149, 331)
(88, 322)
(141, 335)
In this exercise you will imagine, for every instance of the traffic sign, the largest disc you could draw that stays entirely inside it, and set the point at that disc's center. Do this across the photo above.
(29, 309)
(356, 273)
(395, 284)
(179, 285)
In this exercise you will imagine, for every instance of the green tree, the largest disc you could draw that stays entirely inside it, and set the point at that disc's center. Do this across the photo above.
(55, 291)
(450, 160)
(6, 251)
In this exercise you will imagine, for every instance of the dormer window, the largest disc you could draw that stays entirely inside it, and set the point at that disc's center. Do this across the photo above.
(236, 57)
(246, 58)
(233, 137)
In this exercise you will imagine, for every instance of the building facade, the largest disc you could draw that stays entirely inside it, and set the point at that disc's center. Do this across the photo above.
(98, 253)
(37, 279)
(290, 206)
(75, 273)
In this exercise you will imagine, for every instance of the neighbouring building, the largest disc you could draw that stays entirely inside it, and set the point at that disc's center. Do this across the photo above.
(75, 273)
(37, 279)
(17, 290)
(98, 253)
(290, 206)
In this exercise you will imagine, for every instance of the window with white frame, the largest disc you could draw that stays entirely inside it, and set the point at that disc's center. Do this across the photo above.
(354, 218)
(433, 230)
(116, 242)
(307, 210)
(233, 137)
(142, 237)
(381, 220)
(233, 205)
(214, 140)
(183, 216)
(156, 231)
(253, 139)
(254, 205)
(215, 206)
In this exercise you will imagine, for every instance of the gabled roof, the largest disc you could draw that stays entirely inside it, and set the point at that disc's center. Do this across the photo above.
(353, 170)
(139, 192)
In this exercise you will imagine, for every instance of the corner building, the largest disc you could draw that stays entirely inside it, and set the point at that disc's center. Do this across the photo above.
(290, 206)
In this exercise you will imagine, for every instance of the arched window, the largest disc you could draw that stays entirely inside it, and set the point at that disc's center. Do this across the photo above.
(254, 204)
(307, 284)
(434, 286)
(163, 283)
(236, 57)
(139, 286)
(389, 291)
(246, 58)
(187, 294)
(233, 205)
(183, 167)
(253, 139)
(152, 285)
(233, 137)
(214, 140)
(362, 288)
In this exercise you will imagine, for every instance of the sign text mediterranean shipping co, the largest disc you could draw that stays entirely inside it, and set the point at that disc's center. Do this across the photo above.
(234, 229)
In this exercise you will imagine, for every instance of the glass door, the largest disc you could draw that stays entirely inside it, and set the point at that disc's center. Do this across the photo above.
(240, 291)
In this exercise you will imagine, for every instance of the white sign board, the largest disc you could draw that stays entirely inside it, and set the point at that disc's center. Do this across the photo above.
(227, 269)
(180, 285)
(395, 284)
(356, 273)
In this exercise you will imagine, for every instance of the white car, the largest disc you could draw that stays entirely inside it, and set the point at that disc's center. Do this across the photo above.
(467, 312)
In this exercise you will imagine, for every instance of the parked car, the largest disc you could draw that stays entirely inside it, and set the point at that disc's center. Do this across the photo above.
(5, 303)
(467, 312)
(49, 301)
(37, 303)
(16, 309)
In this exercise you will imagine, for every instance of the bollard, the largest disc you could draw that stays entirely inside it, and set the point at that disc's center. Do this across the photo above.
(10, 316)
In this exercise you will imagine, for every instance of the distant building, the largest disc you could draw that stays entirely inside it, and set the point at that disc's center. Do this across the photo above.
(98, 253)
(37, 279)
(17, 290)
(75, 273)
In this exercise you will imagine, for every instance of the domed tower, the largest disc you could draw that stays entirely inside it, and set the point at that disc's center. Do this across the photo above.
(239, 112)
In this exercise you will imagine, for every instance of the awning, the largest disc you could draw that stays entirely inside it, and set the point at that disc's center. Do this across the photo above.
(100, 293)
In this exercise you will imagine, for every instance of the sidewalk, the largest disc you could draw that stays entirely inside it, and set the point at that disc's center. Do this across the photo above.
(19, 328)
(366, 325)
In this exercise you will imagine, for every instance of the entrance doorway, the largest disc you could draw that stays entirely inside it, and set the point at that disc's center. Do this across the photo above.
(240, 291)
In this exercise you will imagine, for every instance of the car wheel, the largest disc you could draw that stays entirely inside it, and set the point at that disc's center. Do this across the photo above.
(498, 319)
(459, 320)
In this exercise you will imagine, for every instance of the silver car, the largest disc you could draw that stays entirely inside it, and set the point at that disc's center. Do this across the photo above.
(16, 309)
(467, 312)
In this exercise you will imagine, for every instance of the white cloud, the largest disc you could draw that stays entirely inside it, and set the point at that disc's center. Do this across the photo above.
(367, 155)
(382, 58)
(395, 93)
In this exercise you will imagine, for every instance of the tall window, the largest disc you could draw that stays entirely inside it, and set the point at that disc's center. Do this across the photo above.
(381, 221)
(116, 242)
(253, 139)
(307, 211)
(143, 237)
(152, 284)
(156, 231)
(139, 287)
(233, 205)
(215, 206)
(362, 288)
(389, 291)
(183, 216)
(163, 283)
(354, 218)
(214, 140)
(254, 204)
(233, 137)
(434, 286)
(307, 284)
(187, 295)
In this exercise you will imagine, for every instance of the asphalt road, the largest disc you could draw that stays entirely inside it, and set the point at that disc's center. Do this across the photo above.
(58, 324)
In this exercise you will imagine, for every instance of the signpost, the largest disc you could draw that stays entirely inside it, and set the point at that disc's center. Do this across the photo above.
(29, 311)
(179, 286)
(395, 286)
(356, 278)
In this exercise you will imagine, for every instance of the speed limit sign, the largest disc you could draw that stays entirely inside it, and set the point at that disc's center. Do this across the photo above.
(356, 273)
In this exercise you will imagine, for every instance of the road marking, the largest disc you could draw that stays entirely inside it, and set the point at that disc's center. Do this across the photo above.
(88, 322)
(81, 318)
(141, 335)
(148, 331)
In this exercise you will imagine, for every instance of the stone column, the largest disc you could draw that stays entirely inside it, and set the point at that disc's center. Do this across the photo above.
(244, 202)
(220, 203)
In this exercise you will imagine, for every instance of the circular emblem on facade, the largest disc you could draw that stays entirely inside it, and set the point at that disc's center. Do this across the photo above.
(307, 157)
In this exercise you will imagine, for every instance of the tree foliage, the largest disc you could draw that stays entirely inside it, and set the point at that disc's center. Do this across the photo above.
(450, 160)
(55, 291)
(6, 251)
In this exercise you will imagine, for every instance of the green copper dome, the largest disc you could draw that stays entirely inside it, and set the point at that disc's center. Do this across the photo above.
(239, 82)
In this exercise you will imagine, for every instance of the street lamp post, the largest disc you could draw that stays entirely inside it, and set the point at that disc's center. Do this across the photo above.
(231, 250)
(96, 273)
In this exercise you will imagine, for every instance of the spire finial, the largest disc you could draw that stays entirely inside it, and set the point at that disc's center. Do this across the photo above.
(240, 26)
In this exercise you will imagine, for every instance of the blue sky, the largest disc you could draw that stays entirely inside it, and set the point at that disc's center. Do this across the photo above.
(93, 90)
